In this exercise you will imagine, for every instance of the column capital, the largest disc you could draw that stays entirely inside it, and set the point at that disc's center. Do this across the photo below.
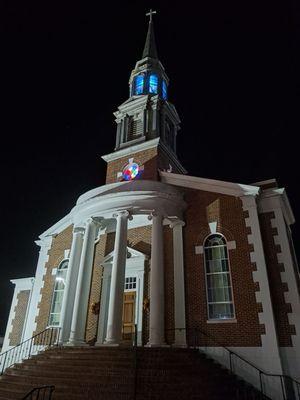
(122, 214)
(78, 229)
(94, 220)
(173, 222)
(153, 214)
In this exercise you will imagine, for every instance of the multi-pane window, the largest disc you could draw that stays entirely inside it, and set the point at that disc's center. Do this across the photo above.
(153, 83)
(139, 84)
(218, 279)
(130, 282)
(58, 293)
(164, 90)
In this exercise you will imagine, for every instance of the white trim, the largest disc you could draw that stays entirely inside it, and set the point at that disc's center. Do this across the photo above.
(56, 228)
(130, 150)
(266, 182)
(208, 185)
(268, 199)
(199, 250)
(38, 285)
(290, 356)
(231, 245)
(22, 284)
(271, 362)
(213, 226)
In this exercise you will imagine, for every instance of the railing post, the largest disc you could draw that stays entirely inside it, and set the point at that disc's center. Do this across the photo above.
(135, 362)
(50, 343)
(282, 387)
(261, 383)
(4, 364)
(30, 347)
(58, 336)
(230, 361)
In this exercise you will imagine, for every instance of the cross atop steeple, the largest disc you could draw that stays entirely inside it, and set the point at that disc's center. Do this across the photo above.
(150, 46)
(150, 13)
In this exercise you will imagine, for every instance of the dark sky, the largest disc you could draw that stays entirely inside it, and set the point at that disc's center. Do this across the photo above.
(234, 79)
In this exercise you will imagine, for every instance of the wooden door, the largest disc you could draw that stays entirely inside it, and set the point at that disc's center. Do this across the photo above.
(128, 315)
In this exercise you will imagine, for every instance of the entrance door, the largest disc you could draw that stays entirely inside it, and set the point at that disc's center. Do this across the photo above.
(128, 315)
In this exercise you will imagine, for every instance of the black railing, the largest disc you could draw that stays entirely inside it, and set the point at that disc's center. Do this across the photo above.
(135, 361)
(47, 338)
(269, 385)
(40, 393)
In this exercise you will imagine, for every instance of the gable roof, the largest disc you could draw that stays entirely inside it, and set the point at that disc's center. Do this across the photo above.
(209, 185)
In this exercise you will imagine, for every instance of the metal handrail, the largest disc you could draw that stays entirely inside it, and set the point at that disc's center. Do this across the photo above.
(47, 338)
(283, 378)
(135, 366)
(40, 393)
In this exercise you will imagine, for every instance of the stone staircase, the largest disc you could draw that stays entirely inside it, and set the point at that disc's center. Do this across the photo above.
(107, 373)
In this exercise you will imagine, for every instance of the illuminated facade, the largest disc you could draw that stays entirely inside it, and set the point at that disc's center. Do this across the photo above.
(155, 249)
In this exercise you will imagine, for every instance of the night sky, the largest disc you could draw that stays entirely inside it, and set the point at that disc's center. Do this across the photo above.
(234, 79)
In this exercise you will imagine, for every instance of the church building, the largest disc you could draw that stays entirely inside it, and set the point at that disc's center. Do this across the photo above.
(163, 256)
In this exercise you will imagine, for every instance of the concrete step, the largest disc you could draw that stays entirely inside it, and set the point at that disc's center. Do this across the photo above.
(100, 370)
(69, 377)
(74, 371)
(82, 362)
(104, 373)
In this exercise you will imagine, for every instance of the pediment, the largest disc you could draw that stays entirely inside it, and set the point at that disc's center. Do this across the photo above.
(131, 253)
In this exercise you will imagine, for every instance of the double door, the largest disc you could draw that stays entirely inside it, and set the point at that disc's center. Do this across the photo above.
(128, 316)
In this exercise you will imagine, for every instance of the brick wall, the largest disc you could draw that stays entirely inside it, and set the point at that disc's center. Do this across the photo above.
(169, 285)
(94, 299)
(277, 287)
(202, 206)
(146, 158)
(152, 160)
(60, 243)
(15, 336)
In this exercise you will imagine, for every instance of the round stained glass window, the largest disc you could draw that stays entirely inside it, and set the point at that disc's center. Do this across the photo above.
(131, 171)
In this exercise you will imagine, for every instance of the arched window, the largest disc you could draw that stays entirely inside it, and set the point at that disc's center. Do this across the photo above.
(164, 90)
(58, 293)
(139, 84)
(218, 279)
(153, 83)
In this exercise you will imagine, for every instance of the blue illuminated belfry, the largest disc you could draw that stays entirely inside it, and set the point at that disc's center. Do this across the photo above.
(153, 83)
(148, 76)
(149, 84)
(164, 90)
(139, 84)
(147, 114)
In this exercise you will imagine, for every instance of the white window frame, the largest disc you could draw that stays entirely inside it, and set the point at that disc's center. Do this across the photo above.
(59, 268)
(218, 320)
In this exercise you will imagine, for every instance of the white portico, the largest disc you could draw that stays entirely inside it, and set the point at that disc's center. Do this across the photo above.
(117, 208)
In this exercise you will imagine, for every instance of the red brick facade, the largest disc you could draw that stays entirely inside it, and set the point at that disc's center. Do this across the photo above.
(152, 160)
(246, 331)
(60, 243)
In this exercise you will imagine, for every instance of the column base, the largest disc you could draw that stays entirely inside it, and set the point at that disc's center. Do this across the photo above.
(180, 345)
(79, 343)
(111, 342)
(157, 345)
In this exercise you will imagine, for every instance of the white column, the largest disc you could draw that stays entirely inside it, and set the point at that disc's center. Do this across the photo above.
(157, 295)
(77, 335)
(179, 292)
(115, 309)
(70, 285)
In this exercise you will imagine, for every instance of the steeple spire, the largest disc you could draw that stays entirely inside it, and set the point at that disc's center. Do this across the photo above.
(150, 46)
